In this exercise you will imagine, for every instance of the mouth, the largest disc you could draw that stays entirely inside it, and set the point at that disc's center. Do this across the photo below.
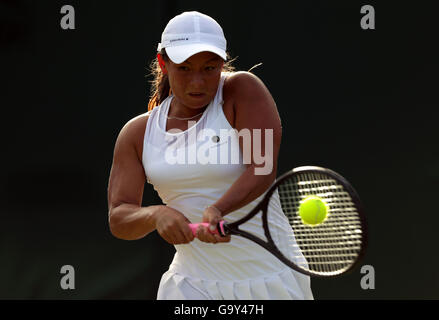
(197, 94)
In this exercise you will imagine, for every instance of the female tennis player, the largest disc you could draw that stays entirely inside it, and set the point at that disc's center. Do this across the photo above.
(194, 91)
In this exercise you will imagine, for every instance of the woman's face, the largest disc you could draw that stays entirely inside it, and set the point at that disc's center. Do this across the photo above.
(195, 81)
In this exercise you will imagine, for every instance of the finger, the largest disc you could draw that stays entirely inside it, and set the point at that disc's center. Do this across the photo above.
(174, 236)
(201, 233)
(181, 236)
(183, 232)
(212, 227)
(223, 239)
(213, 223)
(204, 235)
(167, 238)
(189, 236)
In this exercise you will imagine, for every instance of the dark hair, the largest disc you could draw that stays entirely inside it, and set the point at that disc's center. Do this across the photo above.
(160, 88)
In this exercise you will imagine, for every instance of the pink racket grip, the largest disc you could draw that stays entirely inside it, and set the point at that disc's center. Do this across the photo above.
(220, 226)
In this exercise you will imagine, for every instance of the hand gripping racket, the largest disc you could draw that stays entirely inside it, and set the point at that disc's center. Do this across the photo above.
(328, 249)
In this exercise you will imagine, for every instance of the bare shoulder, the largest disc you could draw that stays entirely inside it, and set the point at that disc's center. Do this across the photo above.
(137, 123)
(132, 133)
(242, 84)
(242, 92)
(249, 95)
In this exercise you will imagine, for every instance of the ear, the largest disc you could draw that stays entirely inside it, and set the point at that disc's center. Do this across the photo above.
(161, 63)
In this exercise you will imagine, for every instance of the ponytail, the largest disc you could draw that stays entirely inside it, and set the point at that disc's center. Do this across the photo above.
(160, 87)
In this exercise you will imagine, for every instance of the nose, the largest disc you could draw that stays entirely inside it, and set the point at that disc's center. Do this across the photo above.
(197, 80)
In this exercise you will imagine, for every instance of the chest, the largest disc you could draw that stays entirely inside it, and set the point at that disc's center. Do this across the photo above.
(228, 110)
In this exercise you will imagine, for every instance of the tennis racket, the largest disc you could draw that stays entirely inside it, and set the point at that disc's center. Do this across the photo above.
(328, 249)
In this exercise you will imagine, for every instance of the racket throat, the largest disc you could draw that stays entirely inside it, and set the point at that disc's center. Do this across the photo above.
(223, 229)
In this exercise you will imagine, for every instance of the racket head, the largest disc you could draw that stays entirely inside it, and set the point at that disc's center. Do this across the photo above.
(336, 245)
(329, 249)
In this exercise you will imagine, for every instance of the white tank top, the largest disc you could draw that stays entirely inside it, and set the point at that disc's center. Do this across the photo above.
(189, 186)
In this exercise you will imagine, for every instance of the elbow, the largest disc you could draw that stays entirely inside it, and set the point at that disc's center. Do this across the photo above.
(123, 227)
(118, 232)
(130, 222)
(115, 224)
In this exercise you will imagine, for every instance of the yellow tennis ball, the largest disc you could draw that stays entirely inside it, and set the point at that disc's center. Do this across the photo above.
(313, 210)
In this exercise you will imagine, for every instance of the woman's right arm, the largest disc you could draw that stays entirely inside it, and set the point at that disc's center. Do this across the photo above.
(128, 220)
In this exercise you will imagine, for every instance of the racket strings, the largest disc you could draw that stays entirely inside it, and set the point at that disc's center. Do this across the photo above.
(332, 246)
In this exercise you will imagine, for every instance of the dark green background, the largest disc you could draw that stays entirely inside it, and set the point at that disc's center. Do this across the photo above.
(362, 103)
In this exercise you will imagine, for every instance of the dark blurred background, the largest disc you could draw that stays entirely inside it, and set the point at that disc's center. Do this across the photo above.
(361, 102)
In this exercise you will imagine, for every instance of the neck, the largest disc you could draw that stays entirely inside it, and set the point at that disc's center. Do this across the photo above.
(178, 110)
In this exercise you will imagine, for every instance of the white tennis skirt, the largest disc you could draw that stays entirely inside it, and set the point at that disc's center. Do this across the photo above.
(284, 285)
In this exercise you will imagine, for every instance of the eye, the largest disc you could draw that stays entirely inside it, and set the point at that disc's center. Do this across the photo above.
(210, 68)
(183, 68)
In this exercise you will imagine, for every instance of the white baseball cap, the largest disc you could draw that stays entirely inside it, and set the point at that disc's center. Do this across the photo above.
(190, 33)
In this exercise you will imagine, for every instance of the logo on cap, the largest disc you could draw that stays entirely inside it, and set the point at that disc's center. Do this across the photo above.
(179, 39)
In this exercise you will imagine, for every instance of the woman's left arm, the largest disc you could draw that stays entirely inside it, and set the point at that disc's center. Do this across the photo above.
(255, 111)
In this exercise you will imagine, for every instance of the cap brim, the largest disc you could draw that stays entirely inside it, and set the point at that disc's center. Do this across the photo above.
(179, 54)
